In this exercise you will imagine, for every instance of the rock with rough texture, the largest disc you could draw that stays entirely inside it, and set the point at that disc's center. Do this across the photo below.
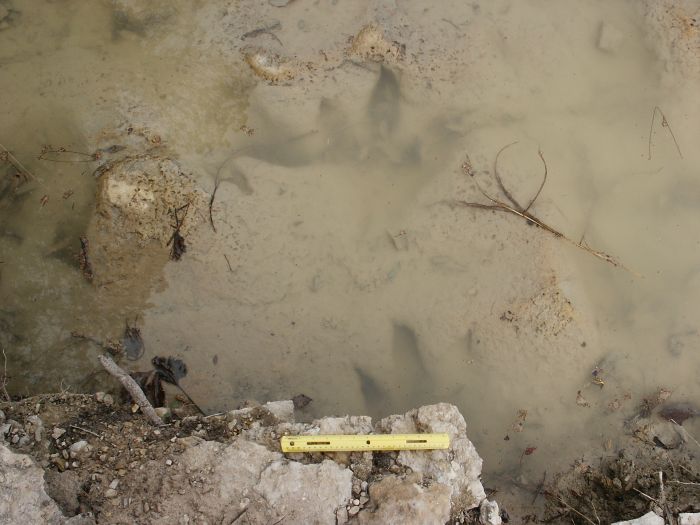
(282, 410)
(393, 500)
(22, 495)
(687, 518)
(267, 485)
(306, 493)
(648, 519)
(459, 467)
(248, 475)
(489, 513)
(137, 197)
(345, 425)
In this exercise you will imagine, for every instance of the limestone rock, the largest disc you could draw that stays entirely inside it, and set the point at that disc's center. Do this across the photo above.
(306, 493)
(282, 410)
(459, 467)
(345, 425)
(489, 513)
(393, 500)
(648, 519)
(22, 495)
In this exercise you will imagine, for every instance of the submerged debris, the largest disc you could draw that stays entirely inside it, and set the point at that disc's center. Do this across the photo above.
(84, 260)
(679, 412)
(133, 342)
(517, 209)
(177, 240)
(301, 400)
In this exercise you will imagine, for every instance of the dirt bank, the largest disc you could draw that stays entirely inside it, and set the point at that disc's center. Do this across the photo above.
(102, 462)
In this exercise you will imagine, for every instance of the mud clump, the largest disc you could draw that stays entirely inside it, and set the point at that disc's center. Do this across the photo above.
(650, 472)
(370, 43)
(137, 197)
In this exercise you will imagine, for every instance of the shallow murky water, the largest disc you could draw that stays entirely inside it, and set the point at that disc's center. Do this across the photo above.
(338, 267)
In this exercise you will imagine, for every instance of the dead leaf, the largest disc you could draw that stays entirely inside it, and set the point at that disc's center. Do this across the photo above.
(301, 400)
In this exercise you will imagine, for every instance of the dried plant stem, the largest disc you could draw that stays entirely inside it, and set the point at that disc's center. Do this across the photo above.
(3, 379)
(17, 164)
(685, 483)
(515, 209)
(647, 496)
(589, 520)
(211, 204)
(132, 387)
(664, 124)
(684, 433)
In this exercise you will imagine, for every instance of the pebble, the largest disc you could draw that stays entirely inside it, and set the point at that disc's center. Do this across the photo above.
(110, 493)
(38, 426)
(15, 439)
(5, 429)
(354, 510)
(23, 441)
(78, 448)
(114, 484)
(356, 502)
(364, 500)
(58, 432)
(108, 400)
(146, 507)
(100, 397)
(364, 486)
(60, 463)
(168, 462)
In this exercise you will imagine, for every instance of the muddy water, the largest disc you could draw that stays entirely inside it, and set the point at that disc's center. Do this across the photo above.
(338, 267)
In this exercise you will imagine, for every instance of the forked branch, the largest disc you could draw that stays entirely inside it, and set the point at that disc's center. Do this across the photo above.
(516, 209)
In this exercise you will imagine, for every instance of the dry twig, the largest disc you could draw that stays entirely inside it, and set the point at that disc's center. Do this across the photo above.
(3, 379)
(684, 433)
(132, 387)
(664, 124)
(515, 209)
(211, 203)
(17, 164)
(228, 263)
(589, 520)
(51, 154)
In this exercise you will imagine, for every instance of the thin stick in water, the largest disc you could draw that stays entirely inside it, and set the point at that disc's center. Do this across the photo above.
(664, 124)
(211, 203)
